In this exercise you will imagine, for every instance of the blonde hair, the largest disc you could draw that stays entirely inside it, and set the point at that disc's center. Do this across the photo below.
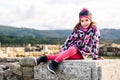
(92, 24)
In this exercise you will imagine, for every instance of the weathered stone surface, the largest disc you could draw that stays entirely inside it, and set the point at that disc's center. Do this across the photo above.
(27, 61)
(16, 68)
(81, 70)
(28, 72)
(27, 78)
(108, 69)
(68, 70)
(1, 75)
(10, 59)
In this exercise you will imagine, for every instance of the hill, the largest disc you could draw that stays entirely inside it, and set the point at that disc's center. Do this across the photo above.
(13, 31)
(106, 34)
(110, 34)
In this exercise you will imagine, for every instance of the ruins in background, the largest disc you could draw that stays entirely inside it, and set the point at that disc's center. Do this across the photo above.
(28, 50)
(108, 49)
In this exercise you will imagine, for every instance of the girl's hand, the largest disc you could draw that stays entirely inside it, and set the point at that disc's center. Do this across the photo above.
(86, 55)
(100, 58)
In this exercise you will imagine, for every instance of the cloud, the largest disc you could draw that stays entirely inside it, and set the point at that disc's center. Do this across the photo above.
(57, 14)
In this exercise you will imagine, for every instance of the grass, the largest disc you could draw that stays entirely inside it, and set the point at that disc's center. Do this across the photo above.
(108, 57)
(111, 57)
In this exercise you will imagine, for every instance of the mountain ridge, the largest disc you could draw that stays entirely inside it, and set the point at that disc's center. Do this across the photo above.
(110, 34)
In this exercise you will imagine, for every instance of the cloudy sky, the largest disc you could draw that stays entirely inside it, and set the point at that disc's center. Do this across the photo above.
(58, 14)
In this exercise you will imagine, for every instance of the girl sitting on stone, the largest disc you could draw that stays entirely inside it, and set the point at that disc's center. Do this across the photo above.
(83, 41)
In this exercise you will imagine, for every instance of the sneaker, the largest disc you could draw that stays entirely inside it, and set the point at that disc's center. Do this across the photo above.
(40, 59)
(52, 66)
(36, 63)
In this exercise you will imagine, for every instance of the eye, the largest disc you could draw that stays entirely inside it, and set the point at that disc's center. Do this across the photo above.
(86, 20)
(82, 20)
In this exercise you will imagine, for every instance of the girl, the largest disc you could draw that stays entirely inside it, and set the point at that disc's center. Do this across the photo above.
(83, 41)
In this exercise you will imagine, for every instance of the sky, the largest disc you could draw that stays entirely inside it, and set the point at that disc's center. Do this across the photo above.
(57, 14)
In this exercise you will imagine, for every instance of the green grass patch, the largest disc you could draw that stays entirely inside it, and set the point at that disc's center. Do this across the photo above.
(108, 57)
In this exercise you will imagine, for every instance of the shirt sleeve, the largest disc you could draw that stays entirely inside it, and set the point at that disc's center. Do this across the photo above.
(67, 42)
(95, 43)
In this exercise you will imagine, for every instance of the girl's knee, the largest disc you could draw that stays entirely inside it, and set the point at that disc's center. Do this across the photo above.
(73, 48)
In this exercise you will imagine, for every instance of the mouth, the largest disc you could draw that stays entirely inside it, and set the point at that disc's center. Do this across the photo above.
(85, 26)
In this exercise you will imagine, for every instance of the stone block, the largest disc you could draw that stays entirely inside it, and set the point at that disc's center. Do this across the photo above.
(27, 61)
(15, 68)
(28, 72)
(68, 70)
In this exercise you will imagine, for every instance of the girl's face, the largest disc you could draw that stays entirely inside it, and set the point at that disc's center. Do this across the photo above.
(85, 22)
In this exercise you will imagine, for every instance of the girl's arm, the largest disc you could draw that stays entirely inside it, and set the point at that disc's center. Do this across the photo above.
(67, 42)
(95, 43)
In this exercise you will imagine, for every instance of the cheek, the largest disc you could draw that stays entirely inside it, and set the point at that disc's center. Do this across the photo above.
(82, 23)
(89, 22)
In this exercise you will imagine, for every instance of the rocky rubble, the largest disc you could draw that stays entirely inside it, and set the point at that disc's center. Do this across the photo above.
(13, 69)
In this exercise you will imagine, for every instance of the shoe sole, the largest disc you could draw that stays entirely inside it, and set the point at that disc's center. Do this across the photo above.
(36, 62)
(50, 70)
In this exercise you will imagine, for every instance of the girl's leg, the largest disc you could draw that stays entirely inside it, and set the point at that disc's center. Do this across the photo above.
(41, 59)
(45, 58)
(52, 57)
(73, 57)
(77, 56)
(70, 53)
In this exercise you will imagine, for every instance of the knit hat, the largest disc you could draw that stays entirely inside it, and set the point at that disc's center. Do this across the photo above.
(85, 13)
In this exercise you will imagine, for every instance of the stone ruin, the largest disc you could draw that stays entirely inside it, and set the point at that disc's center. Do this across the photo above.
(29, 50)
(109, 49)
(17, 68)
(25, 69)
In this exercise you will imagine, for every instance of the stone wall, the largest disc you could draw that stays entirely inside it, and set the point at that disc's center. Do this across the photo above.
(81, 70)
(109, 49)
(29, 50)
(25, 69)
(17, 68)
